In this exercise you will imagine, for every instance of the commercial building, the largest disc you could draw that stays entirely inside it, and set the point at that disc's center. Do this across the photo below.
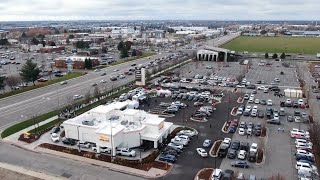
(78, 62)
(51, 49)
(210, 53)
(116, 126)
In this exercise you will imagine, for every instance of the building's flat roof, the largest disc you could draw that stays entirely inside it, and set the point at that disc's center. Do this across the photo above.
(215, 49)
(155, 136)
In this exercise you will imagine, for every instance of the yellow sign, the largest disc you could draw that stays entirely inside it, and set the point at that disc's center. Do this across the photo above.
(161, 125)
(103, 138)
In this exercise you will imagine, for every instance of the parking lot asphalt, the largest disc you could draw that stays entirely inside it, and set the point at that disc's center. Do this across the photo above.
(270, 72)
(190, 162)
(279, 146)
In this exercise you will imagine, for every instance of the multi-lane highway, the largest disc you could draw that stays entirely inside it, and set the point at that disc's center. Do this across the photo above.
(32, 103)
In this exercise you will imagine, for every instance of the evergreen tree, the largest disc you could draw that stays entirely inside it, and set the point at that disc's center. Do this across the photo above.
(30, 71)
(275, 56)
(266, 56)
(282, 56)
(134, 52)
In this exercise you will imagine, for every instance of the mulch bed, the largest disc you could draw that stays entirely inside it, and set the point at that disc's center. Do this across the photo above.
(226, 127)
(259, 156)
(205, 174)
(144, 164)
(215, 148)
(31, 138)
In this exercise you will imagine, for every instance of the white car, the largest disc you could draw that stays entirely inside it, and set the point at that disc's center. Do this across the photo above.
(186, 132)
(276, 116)
(248, 109)
(288, 101)
(300, 102)
(303, 146)
(116, 70)
(77, 96)
(175, 146)
(202, 152)
(269, 102)
(226, 141)
(126, 152)
(254, 147)
(55, 137)
(261, 88)
(297, 119)
(242, 154)
(298, 140)
(103, 81)
(179, 141)
(63, 82)
(216, 174)
(257, 101)
(240, 86)
(241, 131)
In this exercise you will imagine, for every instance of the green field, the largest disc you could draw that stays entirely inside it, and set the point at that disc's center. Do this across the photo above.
(304, 45)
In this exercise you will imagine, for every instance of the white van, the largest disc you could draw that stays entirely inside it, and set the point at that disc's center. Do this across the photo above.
(299, 133)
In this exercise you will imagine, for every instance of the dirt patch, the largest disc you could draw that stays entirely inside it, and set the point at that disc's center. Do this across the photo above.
(143, 164)
(205, 174)
(240, 99)
(214, 150)
(259, 155)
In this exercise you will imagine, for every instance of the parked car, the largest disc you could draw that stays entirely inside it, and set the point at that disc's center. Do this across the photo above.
(126, 152)
(232, 153)
(207, 143)
(102, 149)
(290, 119)
(55, 137)
(68, 141)
(235, 145)
(55, 130)
(241, 164)
(84, 144)
(228, 174)
(168, 158)
(175, 146)
(242, 154)
(202, 152)
(252, 156)
(274, 121)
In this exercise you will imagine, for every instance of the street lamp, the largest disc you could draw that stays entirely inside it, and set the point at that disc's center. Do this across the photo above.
(78, 139)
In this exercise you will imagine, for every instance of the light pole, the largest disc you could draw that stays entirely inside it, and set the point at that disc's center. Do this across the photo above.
(78, 139)
(140, 144)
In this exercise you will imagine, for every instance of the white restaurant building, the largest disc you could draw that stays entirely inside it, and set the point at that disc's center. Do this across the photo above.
(115, 125)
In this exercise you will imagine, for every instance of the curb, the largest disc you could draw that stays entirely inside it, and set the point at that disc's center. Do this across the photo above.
(233, 114)
(223, 128)
(238, 100)
(196, 177)
(213, 147)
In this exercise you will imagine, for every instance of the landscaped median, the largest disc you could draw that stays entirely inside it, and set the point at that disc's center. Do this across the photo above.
(215, 148)
(43, 84)
(204, 174)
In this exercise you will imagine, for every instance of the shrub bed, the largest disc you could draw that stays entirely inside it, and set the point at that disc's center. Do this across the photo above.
(259, 155)
(30, 139)
(216, 147)
(144, 164)
(263, 131)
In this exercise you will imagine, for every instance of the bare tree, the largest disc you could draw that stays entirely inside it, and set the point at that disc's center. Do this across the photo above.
(96, 92)
(87, 97)
(13, 81)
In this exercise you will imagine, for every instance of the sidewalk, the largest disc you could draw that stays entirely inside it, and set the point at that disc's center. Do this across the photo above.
(24, 171)
(152, 173)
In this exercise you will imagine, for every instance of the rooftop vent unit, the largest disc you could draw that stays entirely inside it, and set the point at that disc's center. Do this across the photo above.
(88, 122)
(112, 118)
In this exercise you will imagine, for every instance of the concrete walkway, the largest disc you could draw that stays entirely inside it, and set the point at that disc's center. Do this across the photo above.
(22, 170)
(14, 137)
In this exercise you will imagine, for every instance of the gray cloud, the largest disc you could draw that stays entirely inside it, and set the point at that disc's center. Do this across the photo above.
(159, 9)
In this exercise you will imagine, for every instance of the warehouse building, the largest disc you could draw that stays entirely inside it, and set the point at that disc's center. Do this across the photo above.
(117, 126)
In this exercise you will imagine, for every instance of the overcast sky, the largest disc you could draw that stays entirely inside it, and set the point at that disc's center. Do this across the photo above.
(20, 10)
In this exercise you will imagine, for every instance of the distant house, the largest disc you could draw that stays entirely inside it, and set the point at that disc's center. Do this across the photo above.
(302, 33)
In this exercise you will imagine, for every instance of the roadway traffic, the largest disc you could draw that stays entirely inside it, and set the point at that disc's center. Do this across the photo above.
(36, 102)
